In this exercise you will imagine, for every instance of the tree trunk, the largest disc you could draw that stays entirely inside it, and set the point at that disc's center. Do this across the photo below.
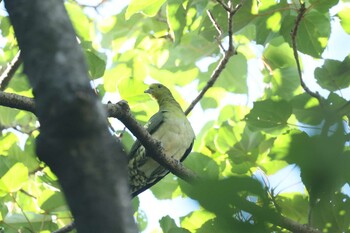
(74, 140)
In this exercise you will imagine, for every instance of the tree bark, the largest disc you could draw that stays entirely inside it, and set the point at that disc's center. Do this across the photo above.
(74, 140)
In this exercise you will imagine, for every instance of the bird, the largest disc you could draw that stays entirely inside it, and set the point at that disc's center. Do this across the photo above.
(171, 127)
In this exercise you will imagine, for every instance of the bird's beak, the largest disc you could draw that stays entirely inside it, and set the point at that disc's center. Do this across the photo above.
(148, 91)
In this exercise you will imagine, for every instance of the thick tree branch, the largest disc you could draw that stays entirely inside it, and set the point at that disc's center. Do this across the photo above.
(74, 140)
(122, 112)
(17, 101)
(10, 70)
(227, 54)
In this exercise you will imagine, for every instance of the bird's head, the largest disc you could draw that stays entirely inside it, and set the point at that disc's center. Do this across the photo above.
(158, 91)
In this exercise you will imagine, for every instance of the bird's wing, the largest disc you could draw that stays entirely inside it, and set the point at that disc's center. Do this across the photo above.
(152, 125)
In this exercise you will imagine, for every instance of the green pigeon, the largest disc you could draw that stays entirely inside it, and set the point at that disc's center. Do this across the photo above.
(171, 127)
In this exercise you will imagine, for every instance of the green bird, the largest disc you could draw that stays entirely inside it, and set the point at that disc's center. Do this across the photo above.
(171, 127)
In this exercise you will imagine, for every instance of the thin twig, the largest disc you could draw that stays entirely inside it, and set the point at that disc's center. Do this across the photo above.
(294, 33)
(214, 22)
(218, 29)
(224, 5)
(10, 70)
(227, 54)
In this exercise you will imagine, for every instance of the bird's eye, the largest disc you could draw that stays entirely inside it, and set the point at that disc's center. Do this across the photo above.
(159, 86)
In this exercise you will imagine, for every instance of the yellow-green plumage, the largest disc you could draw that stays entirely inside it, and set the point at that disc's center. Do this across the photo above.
(171, 127)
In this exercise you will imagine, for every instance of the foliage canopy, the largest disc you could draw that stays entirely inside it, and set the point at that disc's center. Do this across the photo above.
(267, 116)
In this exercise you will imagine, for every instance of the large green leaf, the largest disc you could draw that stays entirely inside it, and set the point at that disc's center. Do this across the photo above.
(307, 109)
(269, 115)
(14, 178)
(320, 159)
(334, 75)
(278, 55)
(202, 165)
(313, 33)
(268, 20)
(285, 82)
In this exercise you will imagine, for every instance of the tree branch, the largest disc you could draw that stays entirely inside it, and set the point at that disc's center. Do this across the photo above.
(10, 70)
(122, 112)
(227, 54)
(294, 34)
(65, 229)
(17, 101)
(275, 218)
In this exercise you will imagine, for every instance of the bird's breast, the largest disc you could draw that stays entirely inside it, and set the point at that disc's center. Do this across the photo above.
(176, 136)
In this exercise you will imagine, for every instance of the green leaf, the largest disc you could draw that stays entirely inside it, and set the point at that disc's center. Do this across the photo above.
(196, 219)
(96, 64)
(202, 165)
(344, 15)
(5, 26)
(334, 75)
(294, 206)
(269, 115)
(174, 75)
(7, 141)
(234, 77)
(225, 138)
(168, 225)
(51, 201)
(208, 102)
(149, 8)
(278, 55)
(307, 110)
(166, 188)
(80, 21)
(176, 16)
(332, 216)
(114, 75)
(284, 82)
(323, 5)
(268, 20)
(313, 34)
(229, 191)
(320, 159)
(14, 178)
